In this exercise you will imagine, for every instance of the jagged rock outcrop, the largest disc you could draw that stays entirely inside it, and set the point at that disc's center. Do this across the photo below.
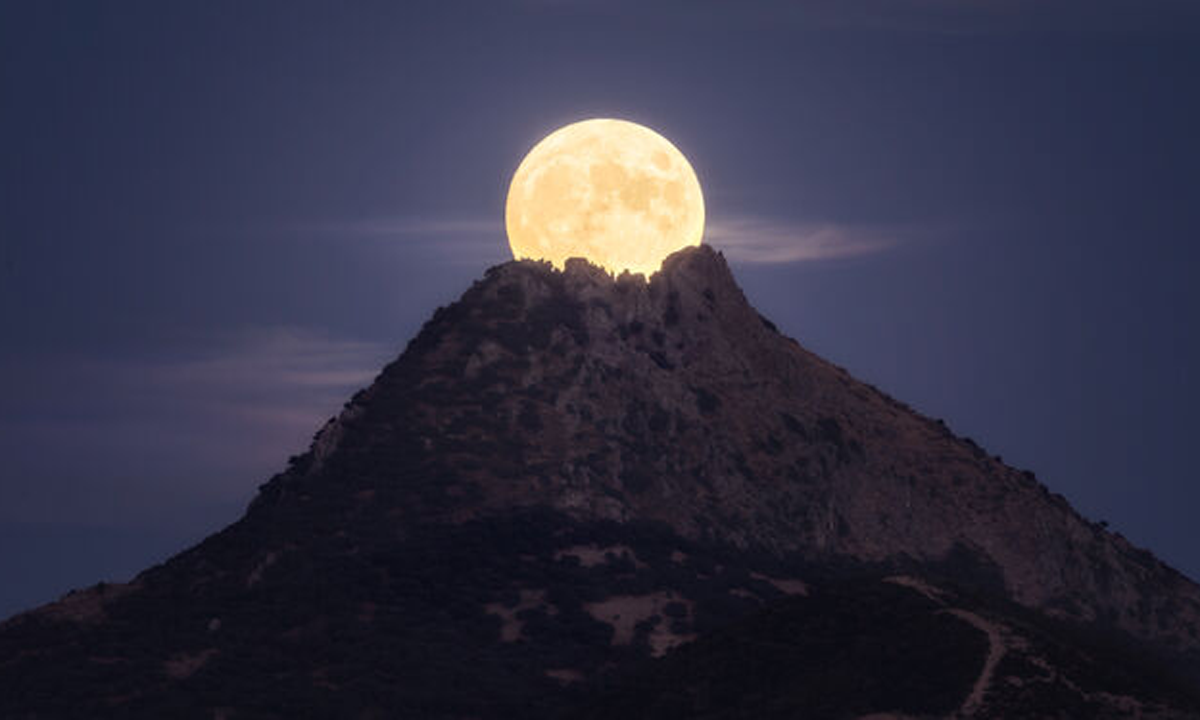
(673, 400)
(577, 494)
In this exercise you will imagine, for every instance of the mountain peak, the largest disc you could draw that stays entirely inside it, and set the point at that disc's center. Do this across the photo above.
(559, 365)
(671, 400)
(567, 475)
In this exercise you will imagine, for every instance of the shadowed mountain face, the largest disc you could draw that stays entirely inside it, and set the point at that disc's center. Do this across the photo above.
(580, 496)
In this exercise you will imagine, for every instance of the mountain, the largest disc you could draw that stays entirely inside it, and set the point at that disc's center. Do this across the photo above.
(575, 495)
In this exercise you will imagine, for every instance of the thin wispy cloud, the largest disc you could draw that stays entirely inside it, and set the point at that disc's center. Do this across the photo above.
(278, 381)
(743, 238)
(418, 227)
(276, 357)
(205, 424)
(771, 241)
(448, 240)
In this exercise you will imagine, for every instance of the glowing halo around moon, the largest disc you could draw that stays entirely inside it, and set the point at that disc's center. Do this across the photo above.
(611, 191)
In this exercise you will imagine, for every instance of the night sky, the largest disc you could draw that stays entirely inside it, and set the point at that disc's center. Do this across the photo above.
(219, 219)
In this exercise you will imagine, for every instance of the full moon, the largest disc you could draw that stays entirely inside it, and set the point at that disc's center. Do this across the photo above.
(611, 191)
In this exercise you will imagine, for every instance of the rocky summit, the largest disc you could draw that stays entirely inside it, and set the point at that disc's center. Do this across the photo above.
(576, 495)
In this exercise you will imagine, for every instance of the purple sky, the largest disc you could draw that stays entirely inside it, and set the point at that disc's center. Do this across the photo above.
(219, 219)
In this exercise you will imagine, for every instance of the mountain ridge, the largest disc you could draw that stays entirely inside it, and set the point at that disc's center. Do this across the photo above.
(567, 475)
(694, 292)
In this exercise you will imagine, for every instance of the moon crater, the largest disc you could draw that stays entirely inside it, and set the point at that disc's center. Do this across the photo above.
(611, 191)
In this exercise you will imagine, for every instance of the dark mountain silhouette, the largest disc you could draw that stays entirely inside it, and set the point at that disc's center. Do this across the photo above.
(579, 496)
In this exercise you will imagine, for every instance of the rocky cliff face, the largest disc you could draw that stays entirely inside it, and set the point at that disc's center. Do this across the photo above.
(575, 495)
(673, 400)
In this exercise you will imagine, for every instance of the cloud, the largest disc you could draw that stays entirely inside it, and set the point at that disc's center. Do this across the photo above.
(200, 426)
(768, 241)
(454, 241)
(421, 227)
(288, 357)
(277, 383)
(743, 238)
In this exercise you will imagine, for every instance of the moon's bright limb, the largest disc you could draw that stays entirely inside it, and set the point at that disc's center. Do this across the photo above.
(611, 191)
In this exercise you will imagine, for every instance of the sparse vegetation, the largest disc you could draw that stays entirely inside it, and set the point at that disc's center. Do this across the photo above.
(413, 568)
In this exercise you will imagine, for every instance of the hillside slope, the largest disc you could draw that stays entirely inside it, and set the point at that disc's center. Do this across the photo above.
(574, 493)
